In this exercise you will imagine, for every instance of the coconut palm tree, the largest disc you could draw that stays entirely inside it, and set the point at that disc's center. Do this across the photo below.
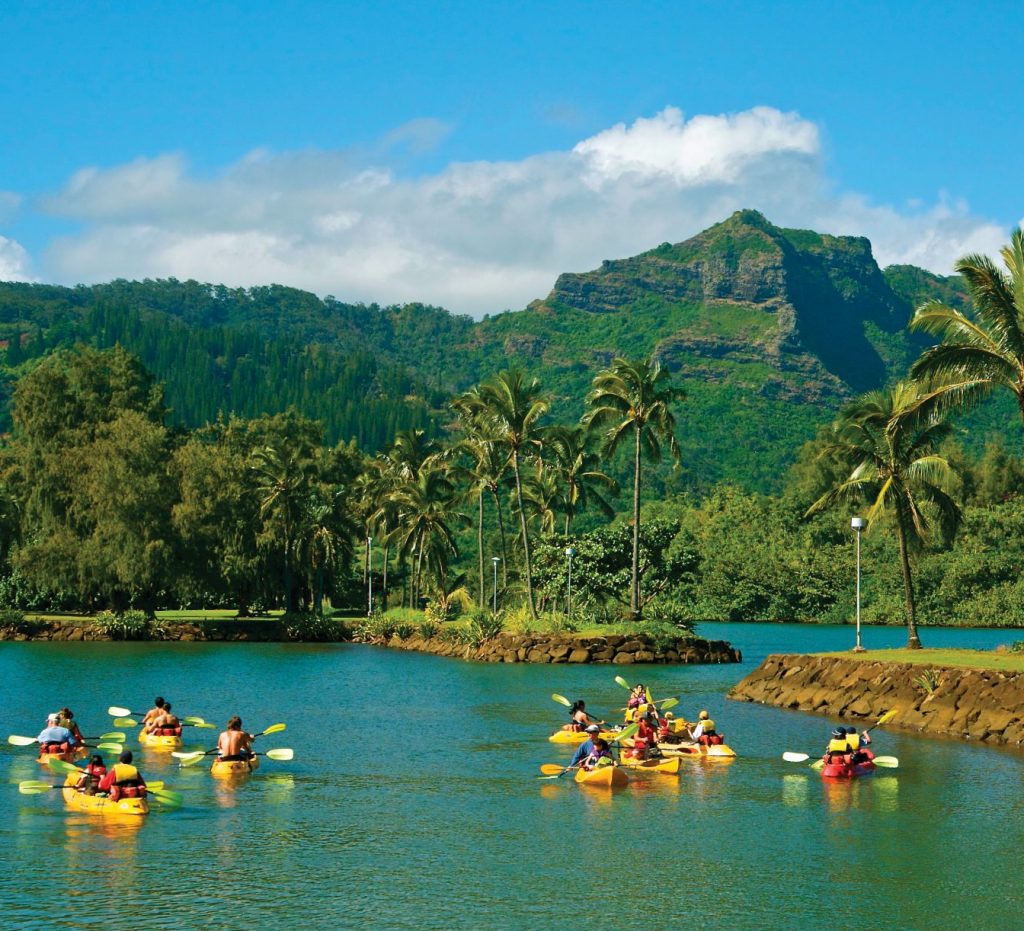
(982, 349)
(888, 441)
(512, 406)
(577, 465)
(632, 400)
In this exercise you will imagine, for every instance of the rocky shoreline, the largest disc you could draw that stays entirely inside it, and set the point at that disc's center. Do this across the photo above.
(970, 704)
(617, 649)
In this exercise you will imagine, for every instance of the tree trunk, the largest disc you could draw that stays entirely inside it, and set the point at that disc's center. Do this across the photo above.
(501, 531)
(384, 581)
(526, 535)
(634, 594)
(913, 641)
(480, 545)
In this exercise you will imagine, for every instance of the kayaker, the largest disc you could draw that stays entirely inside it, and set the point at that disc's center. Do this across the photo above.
(92, 775)
(705, 732)
(857, 743)
(637, 697)
(585, 749)
(165, 723)
(579, 716)
(234, 743)
(123, 780)
(154, 712)
(66, 718)
(601, 752)
(838, 750)
(55, 739)
(645, 741)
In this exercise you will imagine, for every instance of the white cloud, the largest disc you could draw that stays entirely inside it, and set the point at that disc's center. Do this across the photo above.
(481, 236)
(14, 261)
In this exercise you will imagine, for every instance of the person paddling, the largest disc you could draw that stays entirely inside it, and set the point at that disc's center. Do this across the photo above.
(838, 749)
(705, 733)
(234, 743)
(92, 775)
(601, 755)
(154, 712)
(123, 780)
(645, 741)
(55, 738)
(637, 698)
(165, 724)
(579, 717)
(858, 744)
(66, 718)
(585, 749)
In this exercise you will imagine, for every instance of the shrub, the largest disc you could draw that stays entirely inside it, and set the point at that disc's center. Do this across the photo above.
(489, 625)
(428, 629)
(404, 630)
(126, 625)
(378, 628)
(1016, 647)
(312, 628)
(928, 681)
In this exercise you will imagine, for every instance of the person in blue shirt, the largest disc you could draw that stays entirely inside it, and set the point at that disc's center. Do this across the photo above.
(585, 749)
(53, 733)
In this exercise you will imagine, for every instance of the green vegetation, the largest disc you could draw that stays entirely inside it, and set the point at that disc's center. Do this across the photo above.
(961, 659)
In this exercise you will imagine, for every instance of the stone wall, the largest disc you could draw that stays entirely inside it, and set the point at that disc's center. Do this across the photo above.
(618, 649)
(78, 629)
(972, 704)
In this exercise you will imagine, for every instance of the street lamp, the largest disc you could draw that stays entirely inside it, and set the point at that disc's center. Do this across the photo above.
(494, 598)
(858, 524)
(369, 576)
(569, 553)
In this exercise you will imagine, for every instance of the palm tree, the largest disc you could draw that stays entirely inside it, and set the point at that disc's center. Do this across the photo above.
(984, 349)
(541, 494)
(577, 465)
(324, 537)
(888, 441)
(283, 472)
(633, 399)
(512, 407)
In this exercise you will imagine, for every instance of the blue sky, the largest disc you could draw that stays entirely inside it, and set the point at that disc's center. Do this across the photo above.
(466, 153)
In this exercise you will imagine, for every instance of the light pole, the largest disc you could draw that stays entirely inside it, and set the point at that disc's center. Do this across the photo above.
(369, 576)
(858, 523)
(494, 598)
(569, 553)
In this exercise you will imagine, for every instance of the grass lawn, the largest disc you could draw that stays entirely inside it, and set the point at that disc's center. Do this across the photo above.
(965, 659)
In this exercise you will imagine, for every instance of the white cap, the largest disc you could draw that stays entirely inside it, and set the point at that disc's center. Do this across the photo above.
(593, 729)
(52, 718)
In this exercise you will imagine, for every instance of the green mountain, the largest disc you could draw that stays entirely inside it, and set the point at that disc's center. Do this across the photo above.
(769, 330)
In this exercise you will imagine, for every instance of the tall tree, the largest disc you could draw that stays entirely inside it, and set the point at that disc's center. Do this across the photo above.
(632, 400)
(982, 349)
(888, 440)
(577, 466)
(513, 406)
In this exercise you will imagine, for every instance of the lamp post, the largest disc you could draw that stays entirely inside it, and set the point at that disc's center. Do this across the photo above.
(858, 523)
(569, 553)
(494, 597)
(369, 576)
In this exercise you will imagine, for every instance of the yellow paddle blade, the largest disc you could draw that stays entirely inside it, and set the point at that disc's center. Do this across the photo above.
(36, 785)
(206, 725)
(125, 722)
(551, 769)
(17, 741)
(647, 695)
(113, 735)
(117, 712)
(273, 729)
(154, 786)
(888, 716)
(167, 797)
(561, 699)
(26, 789)
(887, 762)
(818, 765)
(281, 754)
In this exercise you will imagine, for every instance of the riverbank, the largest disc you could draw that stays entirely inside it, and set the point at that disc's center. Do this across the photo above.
(938, 694)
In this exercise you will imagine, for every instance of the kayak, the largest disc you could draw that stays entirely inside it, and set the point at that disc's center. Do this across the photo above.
(234, 767)
(101, 804)
(576, 737)
(849, 770)
(68, 757)
(604, 777)
(669, 767)
(714, 752)
(166, 742)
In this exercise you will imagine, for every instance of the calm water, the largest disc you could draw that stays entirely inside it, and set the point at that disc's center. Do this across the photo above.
(430, 816)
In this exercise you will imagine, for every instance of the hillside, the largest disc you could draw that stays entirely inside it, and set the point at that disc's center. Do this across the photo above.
(769, 330)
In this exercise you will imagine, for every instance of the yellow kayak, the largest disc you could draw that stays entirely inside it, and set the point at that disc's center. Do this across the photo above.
(234, 767)
(605, 777)
(100, 804)
(669, 767)
(576, 737)
(166, 742)
(714, 752)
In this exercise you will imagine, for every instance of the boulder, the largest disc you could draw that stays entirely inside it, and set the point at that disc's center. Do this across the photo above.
(581, 655)
(623, 659)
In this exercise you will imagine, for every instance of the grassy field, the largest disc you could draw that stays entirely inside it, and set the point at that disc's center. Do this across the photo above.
(965, 659)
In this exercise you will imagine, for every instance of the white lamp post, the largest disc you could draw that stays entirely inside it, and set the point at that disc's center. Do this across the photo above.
(494, 597)
(858, 524)
(569, 553)
(369, 576)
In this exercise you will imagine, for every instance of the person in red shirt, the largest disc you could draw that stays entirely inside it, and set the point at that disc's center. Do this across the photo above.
(123, 779)
(92, 775)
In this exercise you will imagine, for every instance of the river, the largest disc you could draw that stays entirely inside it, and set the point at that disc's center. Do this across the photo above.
(413, 802)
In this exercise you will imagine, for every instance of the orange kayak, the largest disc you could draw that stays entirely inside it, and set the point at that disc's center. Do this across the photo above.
(68, 757)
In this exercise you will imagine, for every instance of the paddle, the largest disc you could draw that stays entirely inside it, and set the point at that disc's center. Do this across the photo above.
(112, 735)
(665, 703)
(190, 759)
(125, 720)
(32, 787)
(624, 683)
(554, 771)
(790, 757)
(166, 796)
(886, 762)
(562, 700)
(19, 741)
(193, 757)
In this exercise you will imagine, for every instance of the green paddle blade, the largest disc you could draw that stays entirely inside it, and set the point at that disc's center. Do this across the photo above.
(818, 765)
(17, 741)
(623, 683)
(790, 757)
(113, 735)
(193, 719)
(189, 759)
(669, 703)
(273, 729)
(167, 797)
(280, 754)
(60, 766)
(117, 712)
(887, 762)
(25, 789)
(35, 784)
(625, 732)
(561, 699)
(202, 724)
(125, 722)
(110, 747)
(155, 786)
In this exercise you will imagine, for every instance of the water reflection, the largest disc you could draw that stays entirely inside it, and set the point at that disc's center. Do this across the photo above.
(794, 789)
